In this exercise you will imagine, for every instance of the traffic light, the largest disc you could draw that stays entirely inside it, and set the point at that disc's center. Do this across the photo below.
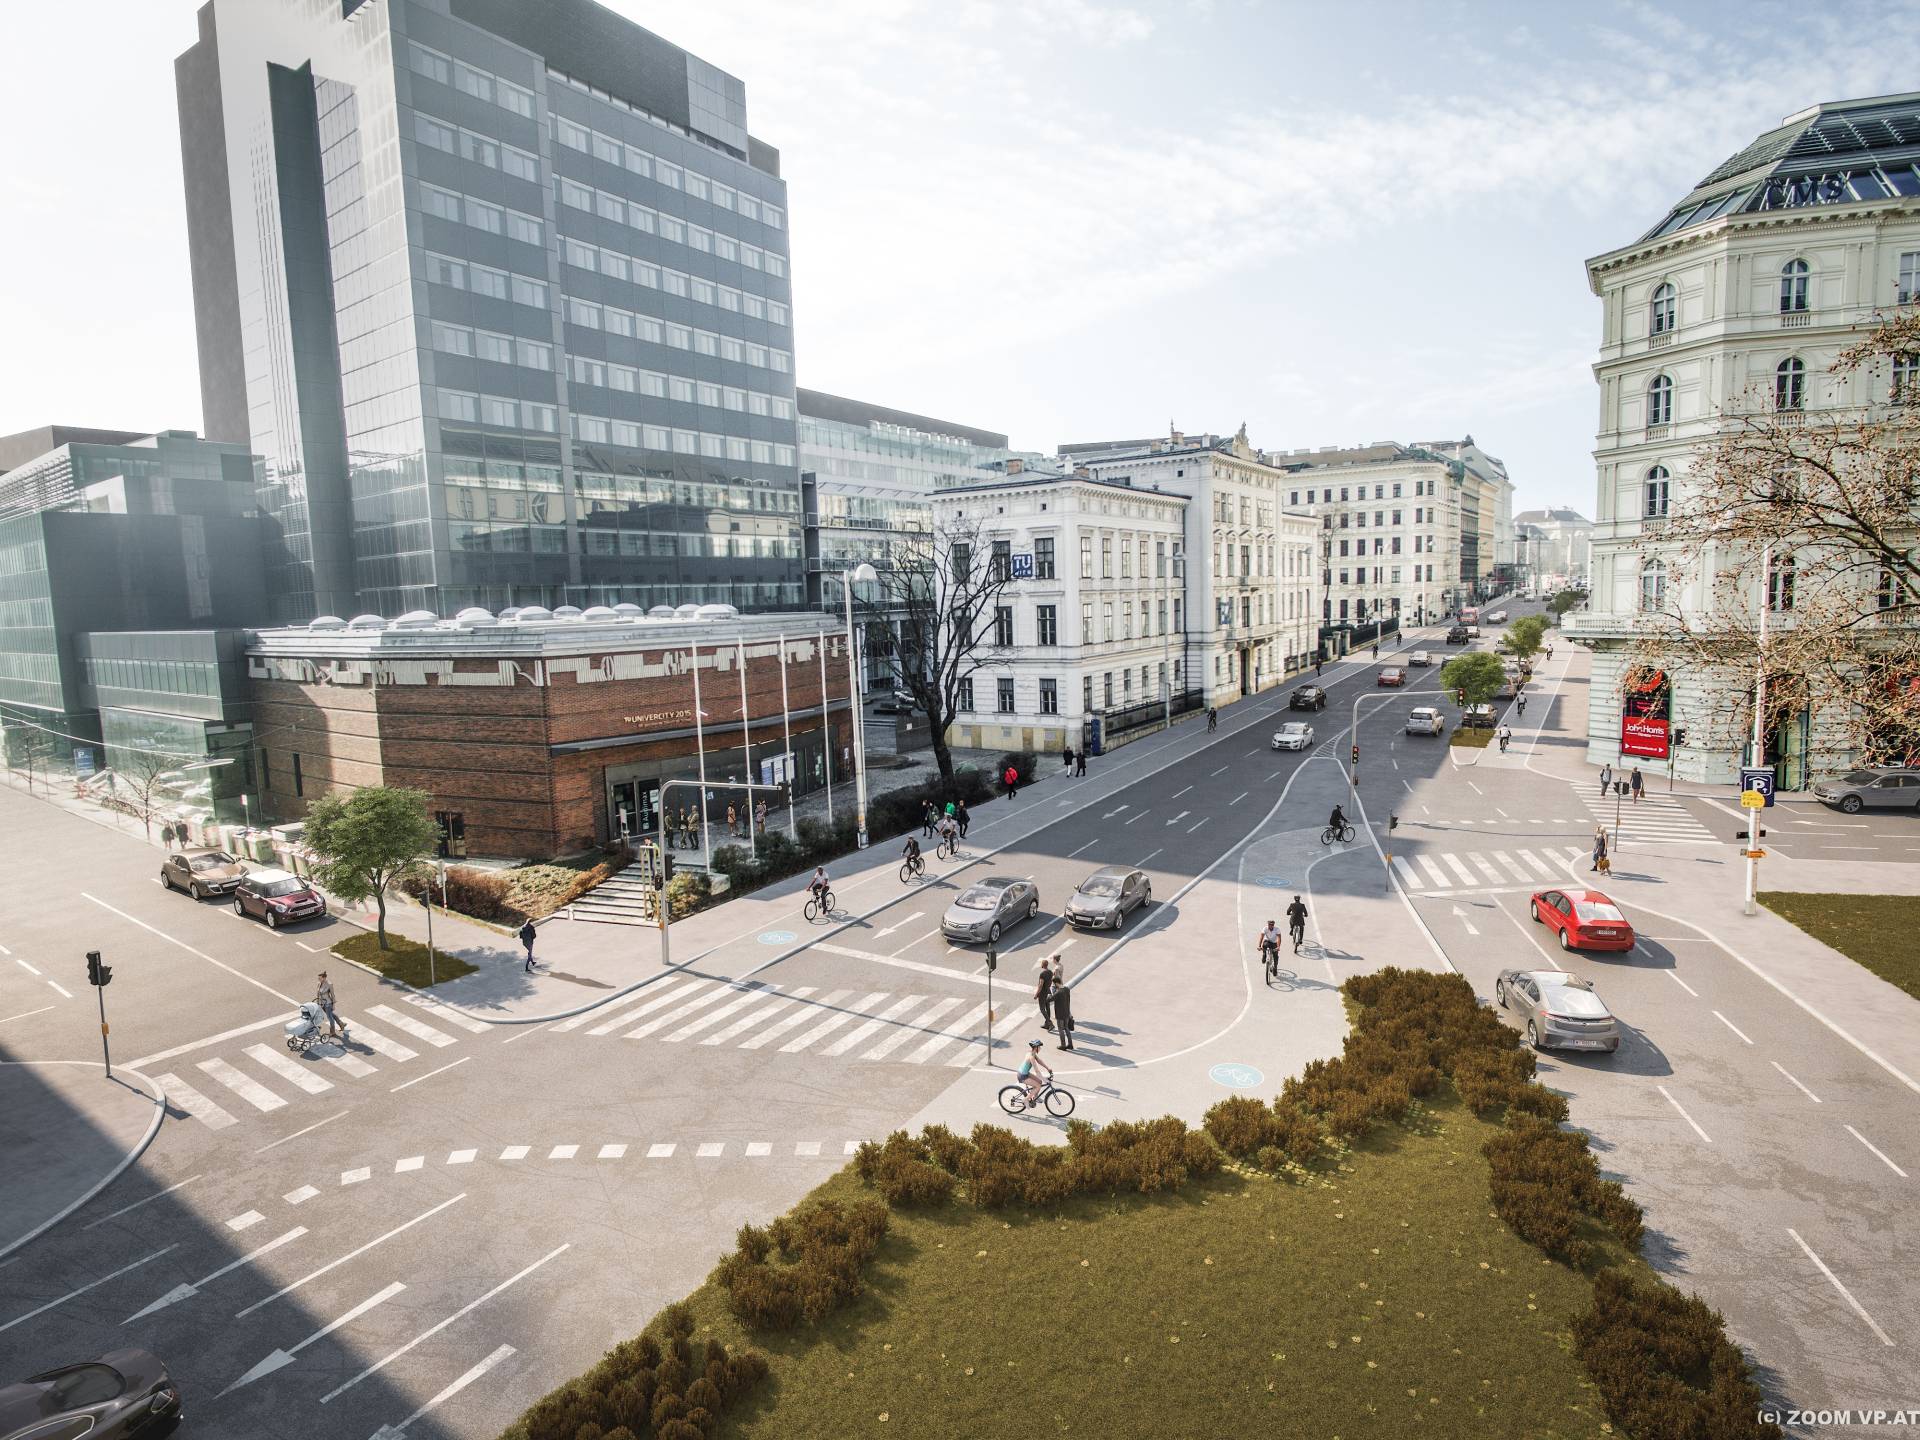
(993, 959)
(97, 973)
(666, 868)
(1680, 735)
(1356, 754)
(1461, 694)
(1393, 821)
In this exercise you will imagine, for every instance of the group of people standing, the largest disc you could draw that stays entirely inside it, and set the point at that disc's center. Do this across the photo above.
(1055, 998)
(1076, 760)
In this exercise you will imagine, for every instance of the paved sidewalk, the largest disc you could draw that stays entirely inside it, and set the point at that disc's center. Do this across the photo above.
(67, 1131)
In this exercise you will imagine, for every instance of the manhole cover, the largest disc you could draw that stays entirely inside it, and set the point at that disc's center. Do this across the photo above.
(1235, 1077)
(776, 937)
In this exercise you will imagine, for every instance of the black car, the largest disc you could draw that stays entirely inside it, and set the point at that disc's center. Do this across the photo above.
(1307, 697)
(121, 1395)
(1457, 635)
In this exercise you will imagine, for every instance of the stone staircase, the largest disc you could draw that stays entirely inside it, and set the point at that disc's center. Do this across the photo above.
(622, 900)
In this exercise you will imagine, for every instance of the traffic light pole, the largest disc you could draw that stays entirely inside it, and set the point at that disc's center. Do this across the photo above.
(659, 877)
(100, 976)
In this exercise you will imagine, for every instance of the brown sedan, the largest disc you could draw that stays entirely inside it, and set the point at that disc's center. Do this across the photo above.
(211, 872)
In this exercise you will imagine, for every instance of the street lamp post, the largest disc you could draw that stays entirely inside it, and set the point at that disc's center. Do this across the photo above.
(1178, 561)
(848, 579)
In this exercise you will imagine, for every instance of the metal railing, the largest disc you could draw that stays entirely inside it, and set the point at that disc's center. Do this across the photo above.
(1148, 712)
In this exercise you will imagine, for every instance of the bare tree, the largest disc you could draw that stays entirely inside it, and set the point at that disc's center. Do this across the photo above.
(1806, 518)
(148, 774)
(944, 597)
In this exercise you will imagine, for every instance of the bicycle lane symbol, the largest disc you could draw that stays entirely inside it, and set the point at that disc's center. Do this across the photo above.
(1236, 1076)
(777, 937)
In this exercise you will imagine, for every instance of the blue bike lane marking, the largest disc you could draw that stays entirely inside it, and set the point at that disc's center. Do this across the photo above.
(1236, 1076)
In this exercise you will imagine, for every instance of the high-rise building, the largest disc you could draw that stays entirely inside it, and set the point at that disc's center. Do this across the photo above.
(499, 293)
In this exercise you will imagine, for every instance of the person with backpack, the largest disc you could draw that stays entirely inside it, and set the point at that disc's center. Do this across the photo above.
(1012, 781)
(960, 816)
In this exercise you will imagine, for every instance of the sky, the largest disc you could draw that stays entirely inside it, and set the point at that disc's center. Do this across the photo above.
(1068, 219)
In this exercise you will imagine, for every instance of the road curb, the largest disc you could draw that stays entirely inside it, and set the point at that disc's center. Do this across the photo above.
(159, 1095)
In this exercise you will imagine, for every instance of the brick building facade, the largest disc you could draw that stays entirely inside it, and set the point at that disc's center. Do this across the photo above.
(540, 733)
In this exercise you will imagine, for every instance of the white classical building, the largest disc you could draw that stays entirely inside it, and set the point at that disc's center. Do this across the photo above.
(1555, 548)
(1739, 298)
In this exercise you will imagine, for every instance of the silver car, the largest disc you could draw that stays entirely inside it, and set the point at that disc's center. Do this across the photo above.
(211, 872)
(1859, 790)
(1294, 735)
(1105, 897)
(1561, 1010)
(990, 907)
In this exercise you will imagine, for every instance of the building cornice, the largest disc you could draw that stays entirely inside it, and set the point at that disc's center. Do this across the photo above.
(1875, 212)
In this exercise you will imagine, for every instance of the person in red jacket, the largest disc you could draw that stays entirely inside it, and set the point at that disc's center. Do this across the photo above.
(1012, 779)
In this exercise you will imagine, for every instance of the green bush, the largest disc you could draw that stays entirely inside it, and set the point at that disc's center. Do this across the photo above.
(803, 1266)
(483, 894)
(1546, 1181)
(1664, 1366)
(688, 892)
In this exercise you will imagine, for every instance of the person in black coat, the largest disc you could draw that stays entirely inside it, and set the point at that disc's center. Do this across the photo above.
(1043, 997)
(960, 817)
(1063, 1013)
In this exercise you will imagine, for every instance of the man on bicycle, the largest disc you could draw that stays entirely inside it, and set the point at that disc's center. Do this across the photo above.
(1269, 942)
(818, 884)
(1337, 822)
(912, 853)
(1028, 1068)
(950, 833)
(1297, 922)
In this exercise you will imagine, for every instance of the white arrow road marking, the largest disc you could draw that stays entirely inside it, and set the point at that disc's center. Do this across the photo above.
(90, 1285)
(393, 1432)
(429, 1333)
(898, 923)
(1113, 812)
(184, 1292)
(279, 1359)
(1178, 818)
(1462, 915)
(350, 1255)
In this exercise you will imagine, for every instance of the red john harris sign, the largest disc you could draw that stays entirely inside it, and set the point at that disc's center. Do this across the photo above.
(1643, 716)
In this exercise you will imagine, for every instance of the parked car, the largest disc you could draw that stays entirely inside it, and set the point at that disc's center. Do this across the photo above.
(989, 907)
(1425, 720)
(1420, 659)
(211, 872)
(1583, 919)
(1561, 1011)
(122, 1394)
(1478, 717)
(1457, 635)
(1877, 789)
(277, 898)
(1105, 897)
(1391, 675)
(1307, 697)
(1509, 687)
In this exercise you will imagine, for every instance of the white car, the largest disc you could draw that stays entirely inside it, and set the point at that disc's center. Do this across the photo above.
(1294, 735)
(1425, 720)
(1498, 617)
(1420, 658)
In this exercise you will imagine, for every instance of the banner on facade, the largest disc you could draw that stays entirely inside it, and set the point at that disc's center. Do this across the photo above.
(1644, 716)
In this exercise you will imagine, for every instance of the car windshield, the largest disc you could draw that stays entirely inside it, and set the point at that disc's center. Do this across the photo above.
(978, 899)
(212, 860)
(289, 886)
(1100, 887)
(1295, 728)
(85, 1385)
(1597, 910)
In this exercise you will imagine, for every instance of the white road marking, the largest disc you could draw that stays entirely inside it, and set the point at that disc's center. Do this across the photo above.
(1407, 874)
(1546, 871)
(1178, 818)
(1275, 775)
(1439, 876)
(392, 1432)
(901, 963)
(25, 1013)
(68, 994)
(298, 1133)
(124, 1209)
(380, 1044)
(196, 1104)
(908, 920)
(310, 949)
(247, 1088)
(563, 1152)
(1197, 824)
(1181, 791)
(1081, 851)
(959, 1029)
(1475, 788)
(1148, 856)
(660, 1152)
(1507, 863)
(757, 1148)
(350, 1255)
(1683, 1114)
(911, 1029)
(1877, 1151)
(245, 1222)
(431, 1331)
(191, 1045)
(853, 1147)
(698, 1002)
(1834, 1280)
(889, 1016)
(515, 1152)
(1461, 915)
(807, 1147)
(758, 1017)
(1494, 877)
(612, 1152)
(785, 1023)
(330, 1052)
(460, 1157)
(752, 993)
(28, 968)
(628, 1016)
(1238, 798)
(90, 1285)
(300, 1196)
(187, 1292)
(1453, 864)
(832, 1022)
(355, 1177)
(279, 1359)
(412, 1162)
(440, 1010)
(710, 1149)
(237, 974)
(419, 1029)
(1731, 1026)
(1681, 983)
(431, 1073)
(286, 1067)
(1796, 1084)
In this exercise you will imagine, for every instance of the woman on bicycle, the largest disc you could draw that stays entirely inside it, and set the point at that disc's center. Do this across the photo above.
(1028, 1068)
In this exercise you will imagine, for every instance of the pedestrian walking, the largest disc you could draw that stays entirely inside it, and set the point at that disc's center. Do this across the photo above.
(1213, 719)
(1080, 763)
(1637, 783)
(1043, 997)
(1012, 781)
(527, 933)
(960, 816)
(1068, 753)
(323, 997)
(927, 817)
(1063, 1013)
(1606, 780)
(733, 821)
(760, 817)
(1600, 861)
(1376, 649)
(1316, 665)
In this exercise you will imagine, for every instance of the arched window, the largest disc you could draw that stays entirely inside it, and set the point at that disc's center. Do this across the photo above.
(1653, 585)
(1661, 314)
(1658, 482)
(1780, 584)
(1793, 287)
(1789, 384)
(1660, 401)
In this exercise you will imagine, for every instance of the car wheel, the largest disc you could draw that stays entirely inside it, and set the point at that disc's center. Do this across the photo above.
(1500, 994)
(1533, 1036)
(1565, 943)
(166, 878)
(1033, 907)
(1533, 909)
(1146, 896)
(1850, 804)
(993, 933)
(238, 908)
(195, 891)
(273, 920)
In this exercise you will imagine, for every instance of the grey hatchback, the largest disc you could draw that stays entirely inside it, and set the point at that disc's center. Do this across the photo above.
(1106, 896)
(1857, 790)
(989, 907)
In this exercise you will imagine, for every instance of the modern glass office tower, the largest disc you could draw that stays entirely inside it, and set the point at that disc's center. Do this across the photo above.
(498, 291)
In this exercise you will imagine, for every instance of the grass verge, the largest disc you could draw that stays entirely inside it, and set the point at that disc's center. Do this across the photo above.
(403, 960)
(1879, 932)
(1470, 739)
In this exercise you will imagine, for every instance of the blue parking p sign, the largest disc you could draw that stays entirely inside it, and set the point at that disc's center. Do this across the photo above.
(1758, 778)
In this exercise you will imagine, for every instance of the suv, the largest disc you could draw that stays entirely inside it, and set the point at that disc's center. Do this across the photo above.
(1478, 717)
(1457, 635)
(277, 898)
(1425, 720)
(1307, 697)
(1857, 790)
(212, 872)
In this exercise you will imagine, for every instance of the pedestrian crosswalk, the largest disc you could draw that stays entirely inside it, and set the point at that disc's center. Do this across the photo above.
(848, 1024)
(1531, 868)
(259, 1077)
(1653, 818)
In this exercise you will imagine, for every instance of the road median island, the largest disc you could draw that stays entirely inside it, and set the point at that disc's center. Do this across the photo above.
(1325, 1263)
(1880, 933)
(403, 960)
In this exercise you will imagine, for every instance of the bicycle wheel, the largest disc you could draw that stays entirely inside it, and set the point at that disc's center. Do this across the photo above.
(906, 873)
(813, 908)
(1059, 1103)
(1013, 1098)
(1326, 836)
(1346, 836)
(826, 903)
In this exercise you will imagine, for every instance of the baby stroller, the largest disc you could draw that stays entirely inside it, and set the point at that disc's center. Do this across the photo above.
(309, 1028)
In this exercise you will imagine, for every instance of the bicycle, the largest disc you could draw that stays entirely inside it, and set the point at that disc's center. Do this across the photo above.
(1344, 835)
(948, 848)
(1014, 1099)
(1299, 934)
(911, 870)
(1272, 966)
(820, 905)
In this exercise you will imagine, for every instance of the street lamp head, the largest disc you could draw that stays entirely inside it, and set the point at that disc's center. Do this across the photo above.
(863, 572)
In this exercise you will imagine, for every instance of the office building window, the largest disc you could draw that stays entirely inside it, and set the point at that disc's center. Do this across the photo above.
(1000, 565)
(533, 354)
(452, 339)
(1005, 688)
(1002, 626)
(965, 695)
(1047, 627)
(457, 405)
(1043, 558)
(527, 292)
(1049, 697)
(1793, 287)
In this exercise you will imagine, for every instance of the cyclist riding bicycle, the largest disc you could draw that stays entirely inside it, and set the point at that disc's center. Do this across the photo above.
(818, 884)
(1269, 943)
(1027, 1075)
(912, 852)
(1337, 821)
(1297, 922)
(949, 832)
(1521, 703)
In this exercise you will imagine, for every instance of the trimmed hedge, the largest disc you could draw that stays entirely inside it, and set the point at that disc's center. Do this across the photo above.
(1270, 1136)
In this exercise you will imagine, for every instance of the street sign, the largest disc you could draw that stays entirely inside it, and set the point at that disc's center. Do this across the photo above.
(1756, 854)
(1758, 778)
(1021, 567)
(1752, 800)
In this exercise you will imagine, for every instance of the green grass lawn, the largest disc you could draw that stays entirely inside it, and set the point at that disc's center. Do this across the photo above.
(403, 960)
(1881, 932)
(1470, 739)
(1380, 1298)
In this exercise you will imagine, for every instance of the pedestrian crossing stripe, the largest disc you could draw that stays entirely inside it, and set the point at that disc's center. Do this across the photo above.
(1489, 877)
(195, 1104)
(1655, 817)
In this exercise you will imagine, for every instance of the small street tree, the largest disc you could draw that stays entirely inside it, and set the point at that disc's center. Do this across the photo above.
(1802, 512)
(365, 841)
(945, 599)
(147, 775)
(1478, 673)
(1524, 637)
(1564, 601)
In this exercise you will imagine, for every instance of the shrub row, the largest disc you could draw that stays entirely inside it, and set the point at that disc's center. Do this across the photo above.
(664, 1385)
(999, 1168)
(803, 1266)
(1271, 1136)
(479, 893)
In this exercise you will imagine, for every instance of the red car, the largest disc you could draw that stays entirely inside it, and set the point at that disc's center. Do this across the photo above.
(1392, 676)
(1584, 919)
